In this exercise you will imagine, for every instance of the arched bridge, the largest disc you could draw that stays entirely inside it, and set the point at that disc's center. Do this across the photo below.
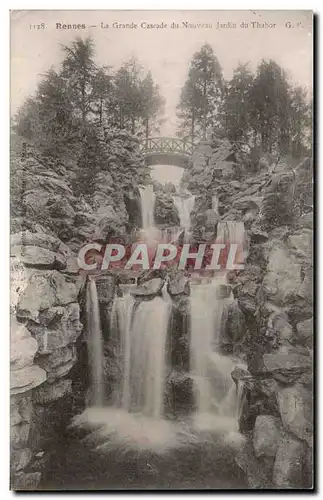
(168, 150)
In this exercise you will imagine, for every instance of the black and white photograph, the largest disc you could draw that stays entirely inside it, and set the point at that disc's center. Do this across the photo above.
(161, 250)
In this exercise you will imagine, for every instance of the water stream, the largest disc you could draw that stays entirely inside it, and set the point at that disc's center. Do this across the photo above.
(148, 198)
(217, 398)
(184, 205)
(142, 343)
(134, 418)
(95, 346)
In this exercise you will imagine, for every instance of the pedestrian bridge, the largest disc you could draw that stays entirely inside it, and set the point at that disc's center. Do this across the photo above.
(168, 151)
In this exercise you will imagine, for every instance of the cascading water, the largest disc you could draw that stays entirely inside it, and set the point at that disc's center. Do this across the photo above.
(215, 204)
(95, 346)
(120, 324)
(145, 368)
(142, 336)
(215, 391)
(138, 332)
(148, 197)
(233, 232)
(184, 206)
(216, 397)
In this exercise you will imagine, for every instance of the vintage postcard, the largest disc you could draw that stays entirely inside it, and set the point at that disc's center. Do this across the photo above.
(161, 250)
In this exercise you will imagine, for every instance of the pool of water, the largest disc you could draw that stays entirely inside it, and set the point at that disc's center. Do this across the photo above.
(177, 458)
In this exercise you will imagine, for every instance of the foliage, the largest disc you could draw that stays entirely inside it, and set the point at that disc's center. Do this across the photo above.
(201, 95)
(74, 106)
(262, 111)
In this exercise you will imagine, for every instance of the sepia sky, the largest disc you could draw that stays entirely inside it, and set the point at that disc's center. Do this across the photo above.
(165, 51)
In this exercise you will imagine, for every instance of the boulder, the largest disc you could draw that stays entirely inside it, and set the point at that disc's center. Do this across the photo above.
(51, 392)
(296, 408)
(256, 235)
(169, 188)
(277, 209)
(258, 476)
(235, 184)
(39, 239)
(133, 205)
(284, 273)
(181, 303)
(211, 219)
(165, 211)
(178, 285)
(19, 459)
(37, 257)
(279, 323)
(85, 219)
(248, 297)
(306, 221)
(304, 333)
(59, 362)
(25, 481)
(45, 290)
(266, 436)
(158, 187)
(302, 241)
(72, 267)
(19, 278)
(19, 435)
(179, 392)
(287, 472)
(149, 288)
(233, 325)
(23, 346)
(20, 408)
(247, 203)
(60, 208)
(286, 361)
(150, 274)
(26, 378)
(110, 224)
(240, 373)
(56, 327)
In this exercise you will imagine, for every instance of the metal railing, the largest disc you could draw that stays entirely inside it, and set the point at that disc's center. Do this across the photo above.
(178, 145)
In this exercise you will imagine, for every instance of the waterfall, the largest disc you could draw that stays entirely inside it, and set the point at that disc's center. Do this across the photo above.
(142, 339)
(148, 197)
(206, 316)
(215, 204)
(145, 382)
(231, 231)
(120, 324)
(95, 346)
(184, 206)
(215, 391)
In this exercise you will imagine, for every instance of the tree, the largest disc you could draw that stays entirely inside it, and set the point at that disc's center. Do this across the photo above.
(79, 71)
(237, 104)
(127, 93)
(153, 103)
(270, 105)
(47, 118)
(301, 122)
(201, 95)
(102, 94)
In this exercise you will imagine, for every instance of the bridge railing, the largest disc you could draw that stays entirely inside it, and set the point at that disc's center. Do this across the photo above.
(178, 145)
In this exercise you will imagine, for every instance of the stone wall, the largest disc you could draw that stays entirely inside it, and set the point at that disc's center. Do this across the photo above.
(272, 325)
(45, 326)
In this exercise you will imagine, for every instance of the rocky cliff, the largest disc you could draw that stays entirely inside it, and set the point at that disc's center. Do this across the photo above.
(269, 324)
(272, 324)
(50, 222)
